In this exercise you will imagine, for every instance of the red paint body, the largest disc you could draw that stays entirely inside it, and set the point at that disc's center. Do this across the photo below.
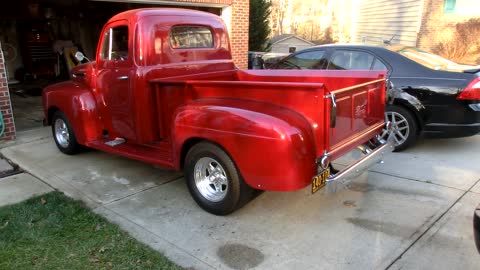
(273, 123)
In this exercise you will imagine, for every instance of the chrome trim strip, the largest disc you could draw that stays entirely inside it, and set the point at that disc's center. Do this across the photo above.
(429, 78)
(475, 107)
(338, 91)
(452, 125)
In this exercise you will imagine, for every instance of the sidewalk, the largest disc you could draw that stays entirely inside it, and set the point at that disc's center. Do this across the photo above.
(17, 186)
(410, 212)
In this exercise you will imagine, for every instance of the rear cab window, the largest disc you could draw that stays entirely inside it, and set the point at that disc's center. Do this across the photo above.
(183, 37)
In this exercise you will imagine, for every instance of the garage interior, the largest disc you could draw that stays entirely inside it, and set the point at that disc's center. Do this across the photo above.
(39, 39)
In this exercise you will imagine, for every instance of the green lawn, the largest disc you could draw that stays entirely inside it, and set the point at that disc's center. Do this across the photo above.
(55, 232)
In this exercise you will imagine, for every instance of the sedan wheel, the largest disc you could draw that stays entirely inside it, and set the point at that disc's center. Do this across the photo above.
(404, 127)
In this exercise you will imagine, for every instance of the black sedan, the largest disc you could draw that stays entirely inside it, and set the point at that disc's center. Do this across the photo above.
(476, 227)
(432, 96)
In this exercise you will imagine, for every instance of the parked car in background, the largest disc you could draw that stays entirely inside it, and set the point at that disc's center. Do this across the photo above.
(255, 60)
(431, 95)
(270, 58)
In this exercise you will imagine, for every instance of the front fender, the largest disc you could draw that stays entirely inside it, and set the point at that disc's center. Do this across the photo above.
(77, 102)
(272, 146)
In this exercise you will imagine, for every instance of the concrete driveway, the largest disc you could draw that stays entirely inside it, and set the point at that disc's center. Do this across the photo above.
(412, 212)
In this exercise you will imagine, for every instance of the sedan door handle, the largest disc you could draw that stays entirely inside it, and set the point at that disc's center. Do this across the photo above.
(122, 78)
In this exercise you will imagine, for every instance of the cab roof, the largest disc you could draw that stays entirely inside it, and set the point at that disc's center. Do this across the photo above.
(137, 14)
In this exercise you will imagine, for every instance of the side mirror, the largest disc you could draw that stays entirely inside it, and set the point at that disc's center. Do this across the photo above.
(80, 57)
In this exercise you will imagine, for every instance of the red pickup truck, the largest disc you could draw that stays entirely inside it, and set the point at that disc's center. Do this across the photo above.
(164, 90)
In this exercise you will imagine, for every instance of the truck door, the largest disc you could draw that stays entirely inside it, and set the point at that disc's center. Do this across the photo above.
(114, 81)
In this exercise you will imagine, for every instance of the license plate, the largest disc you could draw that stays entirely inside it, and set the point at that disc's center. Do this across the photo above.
(320, 180)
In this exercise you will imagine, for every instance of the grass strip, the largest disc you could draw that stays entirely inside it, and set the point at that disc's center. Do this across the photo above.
(55, 232)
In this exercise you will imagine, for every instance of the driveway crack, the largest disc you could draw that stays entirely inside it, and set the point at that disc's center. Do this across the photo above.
(430, 227)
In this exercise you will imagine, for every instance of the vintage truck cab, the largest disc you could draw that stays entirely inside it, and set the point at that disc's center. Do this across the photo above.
(163, 89)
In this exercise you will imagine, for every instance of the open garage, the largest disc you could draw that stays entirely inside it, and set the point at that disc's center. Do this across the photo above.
(39, 40)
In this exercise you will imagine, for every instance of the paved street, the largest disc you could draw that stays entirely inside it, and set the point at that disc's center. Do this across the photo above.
(412, 212)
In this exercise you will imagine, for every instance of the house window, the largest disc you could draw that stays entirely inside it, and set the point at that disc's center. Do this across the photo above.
(292, 49)
(448, 6)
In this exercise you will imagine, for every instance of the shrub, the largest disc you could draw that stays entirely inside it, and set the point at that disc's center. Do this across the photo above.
(464, 42)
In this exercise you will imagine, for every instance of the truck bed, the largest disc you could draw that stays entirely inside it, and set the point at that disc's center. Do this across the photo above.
(359, 98)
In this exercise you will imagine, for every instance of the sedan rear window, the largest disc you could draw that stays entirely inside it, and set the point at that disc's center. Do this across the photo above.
(430, 60)
(351, 60)
(306, 60)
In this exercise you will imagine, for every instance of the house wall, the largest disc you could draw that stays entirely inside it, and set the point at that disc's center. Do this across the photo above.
(239, 32)
(380, 20)
(438, 26)
(284, 45)
(5, 103)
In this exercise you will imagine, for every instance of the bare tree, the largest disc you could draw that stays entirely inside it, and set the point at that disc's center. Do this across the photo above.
(277, 15)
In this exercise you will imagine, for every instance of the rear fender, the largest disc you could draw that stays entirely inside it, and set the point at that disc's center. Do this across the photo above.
(77, 102)
(273, 147)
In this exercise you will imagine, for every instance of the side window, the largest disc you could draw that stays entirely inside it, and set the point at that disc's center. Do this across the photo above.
(351, 60)
(191, 37)
(115, 44)
(378, 65)
(306, 60)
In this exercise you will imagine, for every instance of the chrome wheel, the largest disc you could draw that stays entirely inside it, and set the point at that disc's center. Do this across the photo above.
(211, 179)
(400, 128)
(61, 133)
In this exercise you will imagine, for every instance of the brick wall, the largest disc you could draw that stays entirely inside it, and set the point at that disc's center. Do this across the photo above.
(239, 27)
(437, 26)
(239, 32)
(5, 105)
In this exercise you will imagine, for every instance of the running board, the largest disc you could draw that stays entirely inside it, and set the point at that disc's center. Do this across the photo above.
(115, 142)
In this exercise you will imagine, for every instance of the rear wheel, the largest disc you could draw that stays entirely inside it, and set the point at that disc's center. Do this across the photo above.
(214, 181)
(404, 127)
(63, 134)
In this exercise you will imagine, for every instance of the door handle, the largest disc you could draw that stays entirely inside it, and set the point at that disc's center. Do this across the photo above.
(333, 110)
(122, 78)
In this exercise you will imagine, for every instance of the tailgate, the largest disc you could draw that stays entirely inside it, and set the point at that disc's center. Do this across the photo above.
(356, 115)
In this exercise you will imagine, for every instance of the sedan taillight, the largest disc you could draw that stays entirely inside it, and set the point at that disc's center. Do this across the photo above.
(472, 91)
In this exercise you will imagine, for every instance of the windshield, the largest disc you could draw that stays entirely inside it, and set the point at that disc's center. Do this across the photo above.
(431, 60)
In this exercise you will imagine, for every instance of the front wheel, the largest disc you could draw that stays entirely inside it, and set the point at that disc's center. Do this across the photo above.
(214, 181)
(404, 127)
(63, 134)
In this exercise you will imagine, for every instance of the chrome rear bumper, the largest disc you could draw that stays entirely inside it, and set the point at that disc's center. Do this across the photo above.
(340, 180)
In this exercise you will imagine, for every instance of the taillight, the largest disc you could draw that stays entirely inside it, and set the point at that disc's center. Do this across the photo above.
(472, 91)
